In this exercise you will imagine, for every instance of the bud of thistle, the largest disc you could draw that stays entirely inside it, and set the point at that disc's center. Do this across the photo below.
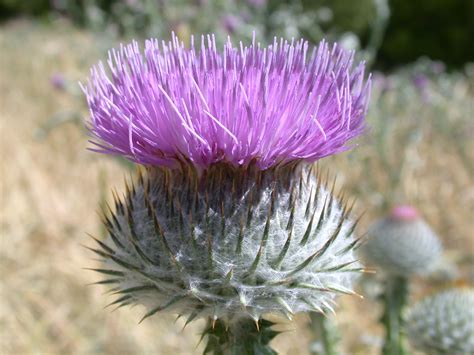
(230, 221)
(443, 323)
(402, 243)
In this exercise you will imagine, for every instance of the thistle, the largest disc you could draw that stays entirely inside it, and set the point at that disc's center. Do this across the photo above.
(229, 221)
(443, 323)
(401, 244)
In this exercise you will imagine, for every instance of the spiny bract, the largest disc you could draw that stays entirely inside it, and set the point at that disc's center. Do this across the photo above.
(402, 243)
(443, 323)
(230, 243)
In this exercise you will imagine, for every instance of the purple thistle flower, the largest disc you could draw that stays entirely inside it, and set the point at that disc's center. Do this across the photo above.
(198, 237)
(243, 105)
(257, 3)
(420, 81)
(230, 23)
(438, 67)
(58, 81)
(382, 82)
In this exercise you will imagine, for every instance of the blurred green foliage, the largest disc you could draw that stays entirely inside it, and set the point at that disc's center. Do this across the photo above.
(9, 8)
(347, 16)
(440, 29)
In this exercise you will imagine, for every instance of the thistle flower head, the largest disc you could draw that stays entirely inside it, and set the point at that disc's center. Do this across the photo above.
(239, 105)
(228, 222)
(402, 243)
(443, 323)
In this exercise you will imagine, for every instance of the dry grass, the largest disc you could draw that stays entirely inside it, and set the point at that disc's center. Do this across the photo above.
(51, 187)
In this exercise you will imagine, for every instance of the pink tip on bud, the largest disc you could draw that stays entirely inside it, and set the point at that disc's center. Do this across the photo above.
(404, 213)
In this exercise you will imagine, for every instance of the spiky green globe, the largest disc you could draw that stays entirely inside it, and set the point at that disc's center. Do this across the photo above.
(443, 323)
(230, 243)
(402, 243)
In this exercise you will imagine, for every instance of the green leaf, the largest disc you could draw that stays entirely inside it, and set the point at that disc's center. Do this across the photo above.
(241, 337)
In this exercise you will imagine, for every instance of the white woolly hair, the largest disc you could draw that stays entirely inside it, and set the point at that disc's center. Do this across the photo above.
(230, 243)
(443, 323)
(402, 247)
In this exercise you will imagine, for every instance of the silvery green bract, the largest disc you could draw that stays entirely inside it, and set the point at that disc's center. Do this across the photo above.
(230, 243)
(402, 243)
(443, 323)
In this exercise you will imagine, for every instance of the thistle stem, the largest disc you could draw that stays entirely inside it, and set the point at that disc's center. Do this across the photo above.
(326, 332)
(395, 299)
(239, 337)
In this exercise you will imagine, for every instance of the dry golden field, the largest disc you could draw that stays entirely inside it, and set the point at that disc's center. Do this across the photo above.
(51, 188)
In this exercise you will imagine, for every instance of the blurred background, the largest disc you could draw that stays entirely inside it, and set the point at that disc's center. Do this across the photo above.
(419, 150)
